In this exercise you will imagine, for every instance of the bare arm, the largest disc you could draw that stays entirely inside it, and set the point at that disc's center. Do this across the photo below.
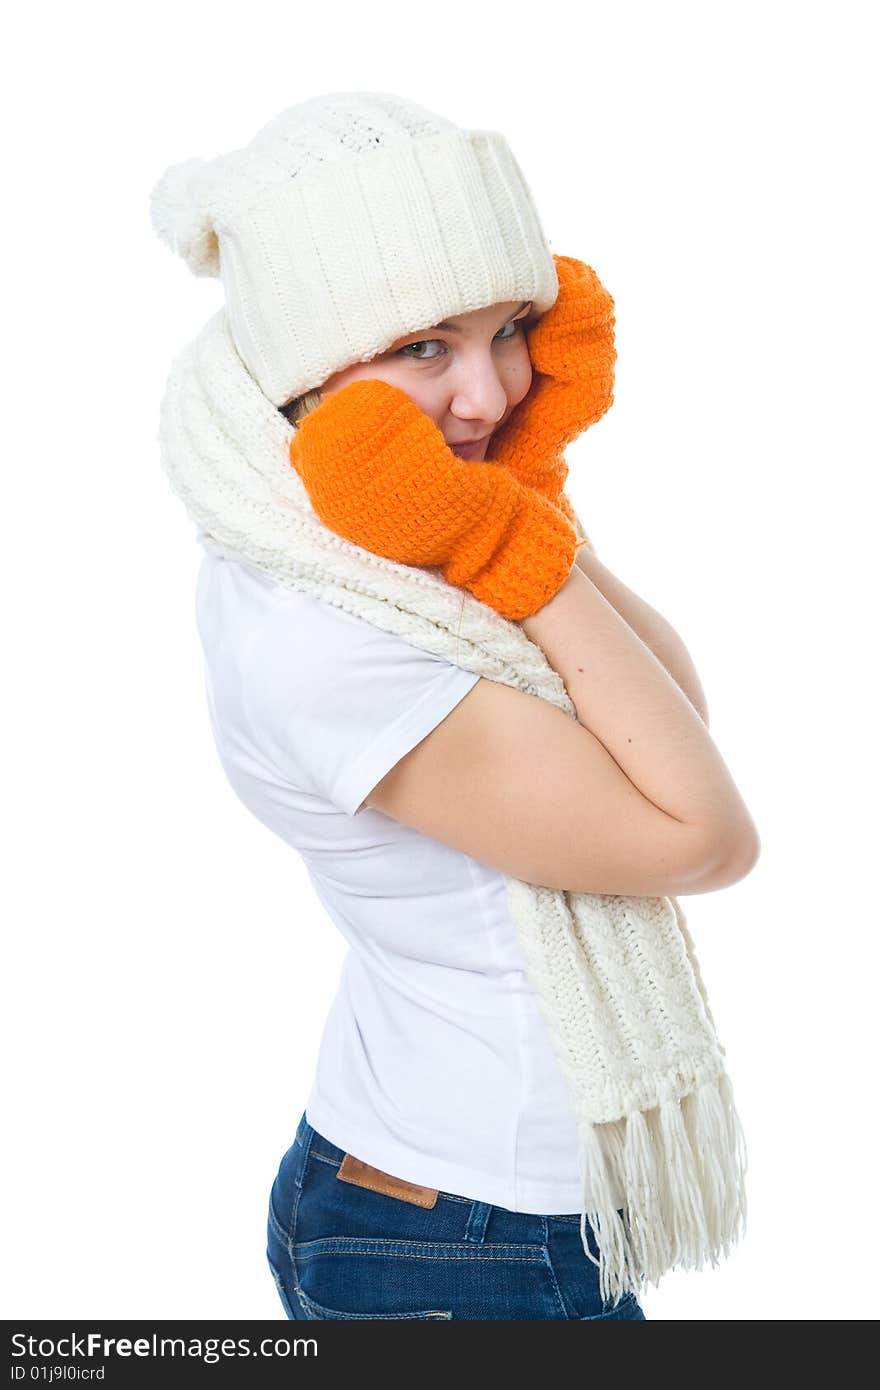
(623, 694)
(654, 630)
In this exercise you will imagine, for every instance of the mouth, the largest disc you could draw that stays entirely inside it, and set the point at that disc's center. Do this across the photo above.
(474, 447)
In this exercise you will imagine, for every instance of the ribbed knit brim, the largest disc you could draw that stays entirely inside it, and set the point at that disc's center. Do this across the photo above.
(349, 221)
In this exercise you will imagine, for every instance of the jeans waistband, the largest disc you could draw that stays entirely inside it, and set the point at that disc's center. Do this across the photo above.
(319, 1143)
(322, 1146)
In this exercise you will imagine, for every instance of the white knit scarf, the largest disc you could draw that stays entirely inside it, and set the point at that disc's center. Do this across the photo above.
(616, 977)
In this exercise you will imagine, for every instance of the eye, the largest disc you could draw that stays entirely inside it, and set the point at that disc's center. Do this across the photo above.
(424, 342)
(515, 325)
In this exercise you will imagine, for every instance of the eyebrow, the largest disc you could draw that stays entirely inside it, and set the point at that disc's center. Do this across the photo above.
(454, 327)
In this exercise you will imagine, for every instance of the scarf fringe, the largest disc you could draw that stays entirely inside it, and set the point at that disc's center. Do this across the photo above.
(681, 1169)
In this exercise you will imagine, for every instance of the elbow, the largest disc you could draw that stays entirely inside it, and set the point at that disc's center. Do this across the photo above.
(718, 859)
(736, 856)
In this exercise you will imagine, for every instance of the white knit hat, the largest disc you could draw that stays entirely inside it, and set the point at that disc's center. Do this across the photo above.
(350, 220)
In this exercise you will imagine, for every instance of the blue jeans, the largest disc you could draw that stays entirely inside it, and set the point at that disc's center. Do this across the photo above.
(337, 1250)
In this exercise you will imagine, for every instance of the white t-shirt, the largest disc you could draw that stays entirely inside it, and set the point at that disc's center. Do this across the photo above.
(435, 1063)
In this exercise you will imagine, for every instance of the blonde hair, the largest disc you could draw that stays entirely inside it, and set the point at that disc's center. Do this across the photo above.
(300, 406)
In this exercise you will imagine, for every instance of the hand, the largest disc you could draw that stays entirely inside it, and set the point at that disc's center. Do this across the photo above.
(572, 351)
(380, 474)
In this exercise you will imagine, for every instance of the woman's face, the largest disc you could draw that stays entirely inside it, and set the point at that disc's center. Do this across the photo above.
(467, 373)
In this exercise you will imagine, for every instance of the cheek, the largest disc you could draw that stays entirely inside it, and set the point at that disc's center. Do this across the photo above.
(518, 377)
(393, 374)
(425, 390)
(339, 380)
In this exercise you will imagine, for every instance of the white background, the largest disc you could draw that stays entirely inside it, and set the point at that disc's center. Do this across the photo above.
(167, 967)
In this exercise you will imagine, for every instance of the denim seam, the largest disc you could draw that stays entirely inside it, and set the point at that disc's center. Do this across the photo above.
(308, 1302)
(290, 1237)
(281, 1290)
(407, 1249)
(552, 1272)
(405, 1255)
(628, 1300)
(279, 1230)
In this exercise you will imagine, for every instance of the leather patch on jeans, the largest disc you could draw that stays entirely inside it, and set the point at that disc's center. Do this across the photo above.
(362, 1174)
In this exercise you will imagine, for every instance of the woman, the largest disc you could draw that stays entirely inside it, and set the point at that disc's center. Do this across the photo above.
(434, 1172)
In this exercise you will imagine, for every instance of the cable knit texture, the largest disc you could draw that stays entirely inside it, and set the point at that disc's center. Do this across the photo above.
(616, 977)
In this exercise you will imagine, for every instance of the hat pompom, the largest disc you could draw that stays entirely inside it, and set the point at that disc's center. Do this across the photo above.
(181, 216)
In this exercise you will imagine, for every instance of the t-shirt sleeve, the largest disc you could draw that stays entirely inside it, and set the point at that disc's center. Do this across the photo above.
(339, 701)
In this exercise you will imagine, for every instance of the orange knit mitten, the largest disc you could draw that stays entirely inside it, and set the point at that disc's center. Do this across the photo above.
(572, 351)
(380, 474)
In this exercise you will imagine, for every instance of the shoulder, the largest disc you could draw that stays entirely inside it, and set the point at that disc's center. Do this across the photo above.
(336, 697)
(284, 627)
(241, 603)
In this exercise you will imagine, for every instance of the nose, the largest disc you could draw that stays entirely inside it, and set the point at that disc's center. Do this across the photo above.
(479, 395)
